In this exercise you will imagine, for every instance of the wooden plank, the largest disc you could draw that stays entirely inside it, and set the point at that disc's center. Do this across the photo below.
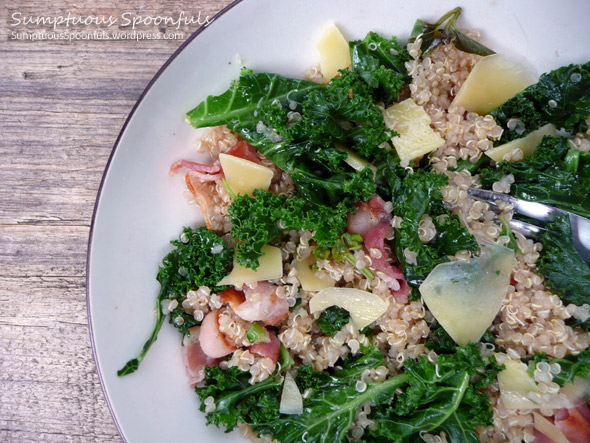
(62, 105)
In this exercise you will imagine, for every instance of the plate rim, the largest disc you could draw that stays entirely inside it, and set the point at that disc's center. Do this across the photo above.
(138, 102)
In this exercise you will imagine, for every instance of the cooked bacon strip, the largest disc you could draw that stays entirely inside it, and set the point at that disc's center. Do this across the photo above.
(201, 176)
(374, 244)
(212, 340)
(262, 304)
(373, 223)
(195, 360)
(193, 166)
(202, 197)
(232, 297)
(366, 216)
(270, 349)
(573, 424)
(245, 150)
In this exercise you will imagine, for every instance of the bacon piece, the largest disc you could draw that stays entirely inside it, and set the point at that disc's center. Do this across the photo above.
(202, 197)
(245, 150)
(262, 304)
(232, 297)
(373, 223)
(374, 244)
(584, 410)
(212, 340)
(195, 360)
(201, 176)
(366, 216)
(270, 349)
(193, 166)
(574, 426)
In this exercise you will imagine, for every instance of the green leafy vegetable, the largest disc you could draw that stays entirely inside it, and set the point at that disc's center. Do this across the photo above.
(414, 195)
(332, 319)
(561, 97)
(236, 400)
(381, 64)
(566, 272)
(259, 218)
(200, 258)
(297, 124)
(434, 34)
(554, 174)
(440, 396)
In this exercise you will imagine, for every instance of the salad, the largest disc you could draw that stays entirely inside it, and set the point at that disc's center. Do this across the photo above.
(346, 287)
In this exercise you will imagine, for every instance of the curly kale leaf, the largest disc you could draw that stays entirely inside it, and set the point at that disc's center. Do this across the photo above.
(258, 219)
(200, 258)
(554, 174)
(435, 397)
(299, 124)
(439, 397)
(380, 63)
(561, 97)
(567, 274)
(332, 320)
(236, 400)
(415, 195)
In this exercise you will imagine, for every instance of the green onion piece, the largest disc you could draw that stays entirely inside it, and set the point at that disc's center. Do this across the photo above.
(285, 359)
(257, 333)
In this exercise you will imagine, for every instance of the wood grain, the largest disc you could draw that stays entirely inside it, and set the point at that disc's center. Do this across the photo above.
(62, 105)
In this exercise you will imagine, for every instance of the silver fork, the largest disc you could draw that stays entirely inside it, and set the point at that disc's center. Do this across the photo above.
(544, 214)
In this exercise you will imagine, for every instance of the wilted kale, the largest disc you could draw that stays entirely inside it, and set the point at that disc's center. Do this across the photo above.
(436, 397)
(561, 97)
(298, 124)
(566, 273)
(554, 174)
(413, 195)
(440, 397)
(380, 63)
(259, 218)
(332, 319)
(199, 258)
(434, 34)
(572, 366)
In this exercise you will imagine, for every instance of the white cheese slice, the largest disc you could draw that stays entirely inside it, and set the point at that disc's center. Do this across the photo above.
(526, 145)
(466, 297)
(493, 80)
(243, 176)
(334, 52)
(270, 267)
(548, 429)
(515, 385)
(364, 307)
(291, 399)
(310, 281)
(412, 123)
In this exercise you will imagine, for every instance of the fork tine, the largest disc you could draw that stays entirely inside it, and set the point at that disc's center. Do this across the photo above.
(526, 229)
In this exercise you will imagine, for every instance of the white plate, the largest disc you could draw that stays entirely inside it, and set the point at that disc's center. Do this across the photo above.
(140, 208)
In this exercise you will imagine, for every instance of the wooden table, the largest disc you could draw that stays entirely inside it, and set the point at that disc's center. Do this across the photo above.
(62, 105)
